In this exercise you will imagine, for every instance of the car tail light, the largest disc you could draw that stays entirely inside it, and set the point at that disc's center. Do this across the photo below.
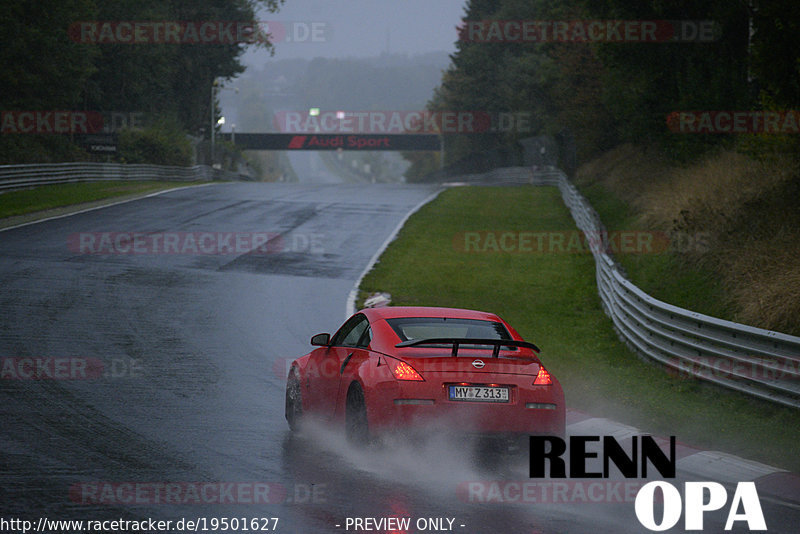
(403, 371)
(542, 377)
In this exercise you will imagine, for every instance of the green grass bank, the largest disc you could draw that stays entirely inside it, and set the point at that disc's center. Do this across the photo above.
(549, 294)
(46, 199)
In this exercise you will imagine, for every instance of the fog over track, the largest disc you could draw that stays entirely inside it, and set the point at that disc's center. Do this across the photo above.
(310, 168)
(194, 347)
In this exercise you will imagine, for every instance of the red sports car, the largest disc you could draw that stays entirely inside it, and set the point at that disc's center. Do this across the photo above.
(398, 368)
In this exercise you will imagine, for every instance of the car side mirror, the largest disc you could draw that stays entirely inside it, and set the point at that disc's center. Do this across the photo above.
(321, 340)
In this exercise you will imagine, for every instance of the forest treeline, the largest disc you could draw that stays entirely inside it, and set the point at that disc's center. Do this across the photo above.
(604, 92)
(49, 63)
(596, 94)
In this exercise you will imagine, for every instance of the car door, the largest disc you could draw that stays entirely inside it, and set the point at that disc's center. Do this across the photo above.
(327, 364)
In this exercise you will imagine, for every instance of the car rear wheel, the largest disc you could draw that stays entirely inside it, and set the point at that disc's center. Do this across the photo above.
(294, 402)
(356, 426)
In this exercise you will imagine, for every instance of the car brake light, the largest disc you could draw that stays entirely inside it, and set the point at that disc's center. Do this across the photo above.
(403, 371)
(542, 377)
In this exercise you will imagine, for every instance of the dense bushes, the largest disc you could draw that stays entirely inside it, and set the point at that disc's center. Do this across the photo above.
(160, 144)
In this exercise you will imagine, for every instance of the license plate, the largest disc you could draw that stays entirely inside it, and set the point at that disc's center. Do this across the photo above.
(479, 393)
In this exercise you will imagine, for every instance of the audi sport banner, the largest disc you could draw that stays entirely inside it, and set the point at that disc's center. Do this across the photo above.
(253, 141)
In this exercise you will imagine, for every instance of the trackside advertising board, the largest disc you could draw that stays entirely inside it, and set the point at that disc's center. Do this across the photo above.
(255, 141)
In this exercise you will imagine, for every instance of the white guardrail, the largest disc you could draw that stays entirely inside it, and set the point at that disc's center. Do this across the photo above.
(19, 176)
(752, 360)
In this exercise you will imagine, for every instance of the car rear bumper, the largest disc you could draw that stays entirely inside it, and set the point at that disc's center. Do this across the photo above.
(530, 409)
(492, 419)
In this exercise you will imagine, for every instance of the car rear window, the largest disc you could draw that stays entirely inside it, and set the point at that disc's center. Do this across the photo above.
(408, 328)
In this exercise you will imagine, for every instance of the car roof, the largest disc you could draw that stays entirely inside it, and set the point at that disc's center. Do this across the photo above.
(389, 312)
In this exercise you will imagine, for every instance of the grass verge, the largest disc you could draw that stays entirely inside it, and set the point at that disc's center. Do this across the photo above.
(663, 275)
(733, 223)
(551, 299)
(50, 197)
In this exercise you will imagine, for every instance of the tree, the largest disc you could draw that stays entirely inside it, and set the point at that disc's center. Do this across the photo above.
(40, 68)
(775, 52)
(604, 93)
(47, 66)
(170, 79)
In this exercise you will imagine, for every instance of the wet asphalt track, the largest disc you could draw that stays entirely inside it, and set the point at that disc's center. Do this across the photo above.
(194, 348)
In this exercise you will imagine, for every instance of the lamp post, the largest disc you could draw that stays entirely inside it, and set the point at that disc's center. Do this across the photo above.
(213, 117)
(214, 122)
(221, 122)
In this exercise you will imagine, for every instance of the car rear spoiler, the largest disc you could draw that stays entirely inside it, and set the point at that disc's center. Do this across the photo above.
(456, 341)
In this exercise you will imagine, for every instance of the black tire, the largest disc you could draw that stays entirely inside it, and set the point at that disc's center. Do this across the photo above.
(356, 425)
(294, 402)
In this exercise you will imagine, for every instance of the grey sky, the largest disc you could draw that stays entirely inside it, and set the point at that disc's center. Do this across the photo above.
(365, 28)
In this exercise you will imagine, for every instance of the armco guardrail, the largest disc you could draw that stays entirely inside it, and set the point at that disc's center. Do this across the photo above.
(502, 176)
(752, 360)
(18, 176)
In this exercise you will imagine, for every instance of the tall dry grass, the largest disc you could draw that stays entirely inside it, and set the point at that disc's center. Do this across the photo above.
(748, 209)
